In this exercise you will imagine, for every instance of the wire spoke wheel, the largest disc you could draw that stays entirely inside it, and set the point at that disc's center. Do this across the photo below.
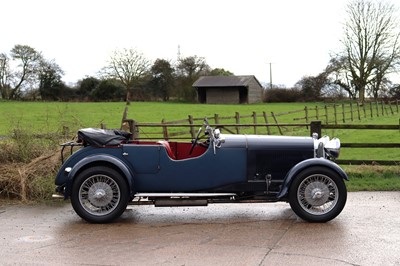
(99, 195)
(317, 194)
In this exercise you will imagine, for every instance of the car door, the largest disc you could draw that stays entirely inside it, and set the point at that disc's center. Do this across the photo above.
(203, 173)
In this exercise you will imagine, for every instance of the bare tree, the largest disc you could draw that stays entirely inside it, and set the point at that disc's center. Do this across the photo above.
(371, 47)
(5, 76)
(339, 76)
(29, 60)
(127, 66)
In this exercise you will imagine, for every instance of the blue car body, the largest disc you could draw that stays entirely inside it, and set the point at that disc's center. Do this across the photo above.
(225, 168)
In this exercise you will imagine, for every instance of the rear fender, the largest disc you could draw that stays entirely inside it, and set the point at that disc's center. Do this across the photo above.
(102, 159)
(291, 175)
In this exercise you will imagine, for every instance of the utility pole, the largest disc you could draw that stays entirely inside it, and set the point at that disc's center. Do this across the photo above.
(179, 52)
(270, 75)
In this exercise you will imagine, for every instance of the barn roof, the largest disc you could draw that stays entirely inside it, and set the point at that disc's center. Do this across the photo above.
(224, 81)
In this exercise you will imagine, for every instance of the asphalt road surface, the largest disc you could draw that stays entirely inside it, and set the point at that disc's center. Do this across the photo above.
(367, 232)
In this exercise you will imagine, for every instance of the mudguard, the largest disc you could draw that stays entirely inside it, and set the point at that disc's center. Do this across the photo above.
(303, 165)
(99, 159)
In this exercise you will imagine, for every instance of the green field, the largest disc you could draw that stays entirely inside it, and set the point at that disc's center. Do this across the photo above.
(51, 116)
(43, 117)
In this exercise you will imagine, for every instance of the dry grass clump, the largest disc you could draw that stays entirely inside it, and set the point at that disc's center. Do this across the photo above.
(31, 181)
(28, 166)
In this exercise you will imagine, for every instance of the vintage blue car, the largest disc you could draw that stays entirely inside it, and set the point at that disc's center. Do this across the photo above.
(110, 171)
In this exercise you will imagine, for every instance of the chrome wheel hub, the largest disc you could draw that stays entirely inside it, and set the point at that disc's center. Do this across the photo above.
(317, 194)
(99, 194)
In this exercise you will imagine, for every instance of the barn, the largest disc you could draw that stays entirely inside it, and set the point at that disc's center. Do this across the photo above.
(228, 89)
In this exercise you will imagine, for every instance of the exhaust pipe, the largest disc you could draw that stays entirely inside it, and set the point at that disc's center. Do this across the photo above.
(57, 196)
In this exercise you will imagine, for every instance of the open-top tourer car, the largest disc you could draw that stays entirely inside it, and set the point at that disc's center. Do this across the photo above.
(110, 171)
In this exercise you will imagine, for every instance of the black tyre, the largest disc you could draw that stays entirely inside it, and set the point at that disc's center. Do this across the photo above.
(99, 194)
(317, 194)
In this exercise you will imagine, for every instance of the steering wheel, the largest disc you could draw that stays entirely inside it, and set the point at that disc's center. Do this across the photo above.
(195, 141)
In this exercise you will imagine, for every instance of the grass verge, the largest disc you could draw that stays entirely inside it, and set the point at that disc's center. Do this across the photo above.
(373, 178)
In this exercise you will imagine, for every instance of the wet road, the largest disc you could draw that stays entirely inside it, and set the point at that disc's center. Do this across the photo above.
(367, 232)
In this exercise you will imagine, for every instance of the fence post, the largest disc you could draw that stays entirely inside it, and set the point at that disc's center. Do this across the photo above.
(351, 112)
(255, 122)
(66, 131)
(391, 109)
(133, 128)
(315, 127)
(326, 114)
(335, 113)
(358, 111)
(383, 108)
(306, 113)
(124, 115)
(371, 109)
(377, 108)
(397, 105)
(365, 111)
(237, 118)
(266, 123)
(343, 113)
(192, 133)
(165, 129)
(316, 112)
(216, 119)
(276, 122)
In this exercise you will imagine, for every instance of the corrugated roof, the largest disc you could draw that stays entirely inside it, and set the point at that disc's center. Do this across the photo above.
(223, 81)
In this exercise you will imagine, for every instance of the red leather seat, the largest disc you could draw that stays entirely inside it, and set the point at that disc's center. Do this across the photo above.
(168, 148)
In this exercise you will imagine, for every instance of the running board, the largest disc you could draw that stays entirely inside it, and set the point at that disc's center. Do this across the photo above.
(183, 195)
(180, 199)
(180, 202)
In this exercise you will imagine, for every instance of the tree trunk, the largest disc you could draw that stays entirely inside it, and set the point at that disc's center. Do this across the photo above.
(362, 94)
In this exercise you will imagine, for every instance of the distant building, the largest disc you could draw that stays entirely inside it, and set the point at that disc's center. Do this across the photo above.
(228, 89)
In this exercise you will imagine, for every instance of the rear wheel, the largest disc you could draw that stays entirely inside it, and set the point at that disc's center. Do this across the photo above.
(317, 194)
(99, 194)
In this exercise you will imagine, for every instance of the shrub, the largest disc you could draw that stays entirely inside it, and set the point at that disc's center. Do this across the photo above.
(282, 95)
(28, 165)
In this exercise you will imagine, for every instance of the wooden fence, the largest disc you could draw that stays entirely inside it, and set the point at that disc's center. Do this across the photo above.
(314, 127)
(342, 113)
(317, 126)
(263, 123)
(251, 124)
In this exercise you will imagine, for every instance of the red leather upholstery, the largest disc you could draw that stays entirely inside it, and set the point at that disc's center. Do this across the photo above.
(168, 148)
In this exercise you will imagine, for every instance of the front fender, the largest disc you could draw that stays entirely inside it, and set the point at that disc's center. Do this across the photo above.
(303, 165)
(99, 159)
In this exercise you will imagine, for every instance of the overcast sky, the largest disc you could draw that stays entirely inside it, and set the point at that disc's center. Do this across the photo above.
(296, 36)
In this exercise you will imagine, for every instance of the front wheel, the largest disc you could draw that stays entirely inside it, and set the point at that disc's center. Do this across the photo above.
(317, 194)
(99, 194)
